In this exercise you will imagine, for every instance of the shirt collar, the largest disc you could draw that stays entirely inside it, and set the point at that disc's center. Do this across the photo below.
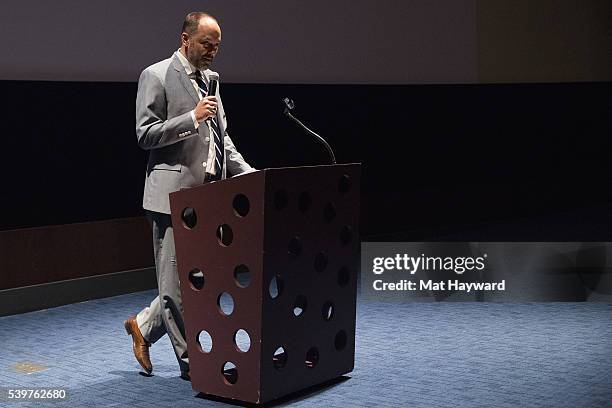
(189, 68)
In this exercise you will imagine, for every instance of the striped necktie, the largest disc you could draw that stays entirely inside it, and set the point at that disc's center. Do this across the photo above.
(215, 130)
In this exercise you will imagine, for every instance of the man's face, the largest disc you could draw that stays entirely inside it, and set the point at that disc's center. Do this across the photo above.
(203, 45)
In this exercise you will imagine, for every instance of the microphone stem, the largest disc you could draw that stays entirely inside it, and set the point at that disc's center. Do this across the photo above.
(316, 136)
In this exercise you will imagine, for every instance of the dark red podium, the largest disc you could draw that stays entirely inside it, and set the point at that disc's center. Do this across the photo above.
(268, 269)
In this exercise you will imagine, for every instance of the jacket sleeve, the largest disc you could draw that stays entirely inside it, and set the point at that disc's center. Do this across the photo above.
(235, 162)
(153, 129)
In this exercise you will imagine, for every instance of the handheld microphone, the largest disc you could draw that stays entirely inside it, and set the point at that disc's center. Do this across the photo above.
(213, 83)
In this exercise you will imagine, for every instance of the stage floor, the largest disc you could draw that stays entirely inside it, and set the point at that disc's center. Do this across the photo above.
(408, 354)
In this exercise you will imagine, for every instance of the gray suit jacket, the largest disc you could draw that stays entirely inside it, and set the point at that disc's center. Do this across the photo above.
(178, 153)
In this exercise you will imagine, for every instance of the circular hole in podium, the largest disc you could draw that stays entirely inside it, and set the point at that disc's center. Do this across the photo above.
(276, 287)
(295, 246)
(242, 276)
(279, 358)
(320, 262)
(196, 279)
(328, 311)
(230, 373)
(346, 235)
(299, 306)
(225, 301)
(242, 340)
(241, 205)
(312, 357)
(304, 202)
(225, 235)
(344, 184)
(205, 342)
(329, 212)
(189, 217)
(340, 340)
(343, 276)
(281, 199)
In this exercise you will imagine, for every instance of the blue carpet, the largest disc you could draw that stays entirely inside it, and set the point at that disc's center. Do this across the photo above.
(410, 354)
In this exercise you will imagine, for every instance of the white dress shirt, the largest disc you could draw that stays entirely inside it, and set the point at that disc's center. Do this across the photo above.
(191, 71)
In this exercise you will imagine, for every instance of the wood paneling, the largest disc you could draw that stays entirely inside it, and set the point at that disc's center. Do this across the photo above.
(49, 254)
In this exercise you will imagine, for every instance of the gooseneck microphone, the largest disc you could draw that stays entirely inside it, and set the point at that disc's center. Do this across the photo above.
(289, 105)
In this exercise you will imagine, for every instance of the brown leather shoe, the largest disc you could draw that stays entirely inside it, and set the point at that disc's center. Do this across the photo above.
(139, 344)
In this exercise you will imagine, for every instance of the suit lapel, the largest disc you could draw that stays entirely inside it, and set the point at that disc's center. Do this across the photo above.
(184, 79)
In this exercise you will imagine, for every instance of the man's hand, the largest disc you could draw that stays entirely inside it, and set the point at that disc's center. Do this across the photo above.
(206, 108)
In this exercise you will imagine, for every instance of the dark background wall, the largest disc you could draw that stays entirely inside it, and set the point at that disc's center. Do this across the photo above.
(544, 40)
(435, 157)
(274, 41)
(317, 41)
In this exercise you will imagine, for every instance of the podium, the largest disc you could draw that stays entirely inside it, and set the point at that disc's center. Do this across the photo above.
(268, 266)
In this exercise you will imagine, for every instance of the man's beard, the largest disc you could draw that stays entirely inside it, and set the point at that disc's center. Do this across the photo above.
(202, 65)
(197, 62)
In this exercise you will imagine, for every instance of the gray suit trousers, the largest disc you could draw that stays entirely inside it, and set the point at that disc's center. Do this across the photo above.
(165, 313)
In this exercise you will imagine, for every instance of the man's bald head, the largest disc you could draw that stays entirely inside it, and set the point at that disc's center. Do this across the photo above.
(195, 18)
(200, 39)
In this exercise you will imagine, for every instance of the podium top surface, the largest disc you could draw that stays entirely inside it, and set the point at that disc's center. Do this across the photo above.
(294, 168)
(271, 171)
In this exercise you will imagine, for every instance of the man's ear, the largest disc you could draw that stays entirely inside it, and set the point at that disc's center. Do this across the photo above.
(184, 39)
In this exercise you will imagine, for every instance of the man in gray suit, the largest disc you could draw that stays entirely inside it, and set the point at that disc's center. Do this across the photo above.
(185, 133)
